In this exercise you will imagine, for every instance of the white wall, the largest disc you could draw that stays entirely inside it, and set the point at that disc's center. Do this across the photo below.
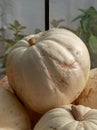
(31, 12)
(68, 10)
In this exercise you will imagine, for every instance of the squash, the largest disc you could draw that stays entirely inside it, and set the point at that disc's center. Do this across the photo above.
(68, 117)
(88, 97)
(45, 69)
(4, 83)
(34, 117)
(12, 114)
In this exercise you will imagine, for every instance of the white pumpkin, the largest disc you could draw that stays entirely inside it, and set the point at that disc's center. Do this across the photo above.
(12, 114)
(88, 97)
(34, 117)
(68, 117)
(4, 83)
(48, 69)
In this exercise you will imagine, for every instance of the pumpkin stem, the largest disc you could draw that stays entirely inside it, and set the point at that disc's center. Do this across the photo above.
(32, 41)
(76, 113)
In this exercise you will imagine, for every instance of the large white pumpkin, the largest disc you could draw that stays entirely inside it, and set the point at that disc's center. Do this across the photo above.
(48, 69)
(13, 116)
(68, 117)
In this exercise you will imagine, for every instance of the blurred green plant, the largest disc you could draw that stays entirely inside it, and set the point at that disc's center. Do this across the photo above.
(87, 31)
(56, 23)
(17, 31)
(37, 30)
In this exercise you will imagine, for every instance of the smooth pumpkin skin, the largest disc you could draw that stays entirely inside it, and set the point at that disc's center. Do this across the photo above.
(12, 114)
(34, 116)
(63, 118)
(5, 84)
(51, 72)
(88, 97)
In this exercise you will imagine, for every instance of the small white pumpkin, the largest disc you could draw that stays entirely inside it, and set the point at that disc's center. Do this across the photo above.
(12, 114)
(48, 69)
(88, 97)
(68, 117)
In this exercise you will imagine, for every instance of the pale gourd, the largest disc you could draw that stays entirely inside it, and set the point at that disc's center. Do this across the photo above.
(48, 69)
(5, 84)
(88, 97)
(12, 114)
(68, 117)
(34, 117)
